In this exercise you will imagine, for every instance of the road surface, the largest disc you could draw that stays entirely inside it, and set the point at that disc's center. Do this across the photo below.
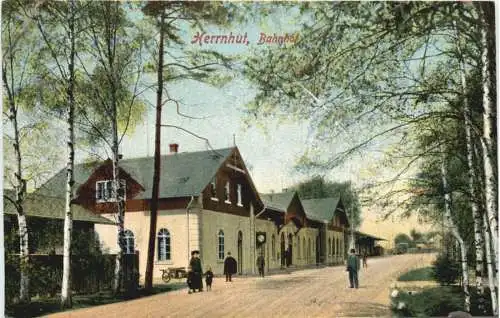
(319, 292)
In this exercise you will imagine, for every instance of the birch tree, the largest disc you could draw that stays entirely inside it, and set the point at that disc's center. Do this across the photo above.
(486, 17)
(454, 230)
(14, 66)
(57, 25)
(113, 68)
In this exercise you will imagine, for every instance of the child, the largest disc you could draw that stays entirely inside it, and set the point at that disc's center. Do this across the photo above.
(209, 277)
(190, 277)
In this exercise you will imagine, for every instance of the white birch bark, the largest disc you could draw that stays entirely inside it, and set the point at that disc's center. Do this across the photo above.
(489, 121)
(455, 233)
(20, 186)
(489, 262)
(473, 180)
(66, 300)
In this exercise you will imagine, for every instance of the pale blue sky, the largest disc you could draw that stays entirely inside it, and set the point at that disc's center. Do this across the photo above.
(271, 156)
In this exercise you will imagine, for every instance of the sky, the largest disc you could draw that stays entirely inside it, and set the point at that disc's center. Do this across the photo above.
(270, 153)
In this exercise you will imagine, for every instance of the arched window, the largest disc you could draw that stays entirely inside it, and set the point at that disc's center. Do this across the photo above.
(164, 245)
(220, 249)
(128, 237)
(273, 246)
(329, 246)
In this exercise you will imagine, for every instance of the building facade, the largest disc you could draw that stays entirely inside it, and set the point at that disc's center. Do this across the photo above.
(207, 202)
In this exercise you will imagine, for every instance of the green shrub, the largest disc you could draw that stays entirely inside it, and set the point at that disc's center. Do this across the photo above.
(445, 270)
(420, 274)
(431, 302)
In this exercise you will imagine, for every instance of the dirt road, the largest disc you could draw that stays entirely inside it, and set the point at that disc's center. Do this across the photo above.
(319, 292)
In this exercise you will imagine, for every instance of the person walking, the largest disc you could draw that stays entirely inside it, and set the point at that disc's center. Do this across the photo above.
(195, 263)
(230, 266)
(261, 264)
(365, 258)
(353, 265)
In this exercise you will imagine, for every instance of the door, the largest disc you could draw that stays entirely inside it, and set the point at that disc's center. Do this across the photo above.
(290, 245)
(240, 252)
(318, 245)
(282, 249)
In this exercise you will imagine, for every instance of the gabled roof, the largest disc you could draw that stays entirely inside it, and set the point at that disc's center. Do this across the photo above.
(321, 209)
(51, 208)
(278, 201)
(182, 174)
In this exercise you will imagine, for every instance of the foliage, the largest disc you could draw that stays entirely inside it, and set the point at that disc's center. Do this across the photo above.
(446, 270)
(430, 302)
(317, 187)
(437, 301)
(403, 238)
(420, 274)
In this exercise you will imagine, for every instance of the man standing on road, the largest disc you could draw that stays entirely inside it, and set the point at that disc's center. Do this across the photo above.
(353, 266)
(229, 267)
(195, 263)
(261, 264)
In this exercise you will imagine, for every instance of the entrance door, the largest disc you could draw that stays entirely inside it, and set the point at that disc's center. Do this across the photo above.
(318, 245)
(282, 249)
(240, 252)
(290, 245)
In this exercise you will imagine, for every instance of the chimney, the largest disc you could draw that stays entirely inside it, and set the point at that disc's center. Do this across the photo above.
(174, 148)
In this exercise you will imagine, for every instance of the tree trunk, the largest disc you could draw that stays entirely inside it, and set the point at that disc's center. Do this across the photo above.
(66, 301)
(118, 189)
(156, 176)
(20, 188)
(489, 262)
(486, 12)
(456, 233)
(473, 180)
(24, 295)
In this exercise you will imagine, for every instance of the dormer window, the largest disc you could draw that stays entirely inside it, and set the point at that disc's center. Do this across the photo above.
(239, 195)
(213, 189)
(228, 192)
(105, 191)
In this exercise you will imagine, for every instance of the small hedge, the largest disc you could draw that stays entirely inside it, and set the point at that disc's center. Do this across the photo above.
(445, 270)
(420, 274)
(438, 301)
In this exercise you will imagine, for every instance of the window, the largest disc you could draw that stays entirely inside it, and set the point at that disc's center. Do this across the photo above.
(329, 246)
(273, 246)
(164, 245)
(221, 245)
(105, 191)
(228, 192)
(239, 195)
(213, 189)
(128, 237)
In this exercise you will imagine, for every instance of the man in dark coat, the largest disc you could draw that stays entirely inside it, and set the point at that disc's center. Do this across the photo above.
(353, 268)
(230, 266)
(261, 264)
(195, 263)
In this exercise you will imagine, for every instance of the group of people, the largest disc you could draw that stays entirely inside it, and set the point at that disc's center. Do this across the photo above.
(195, 272)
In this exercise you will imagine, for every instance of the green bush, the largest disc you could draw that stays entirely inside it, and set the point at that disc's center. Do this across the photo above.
(445, 270)
(420, 274)
(431, 302)
(439, 301)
